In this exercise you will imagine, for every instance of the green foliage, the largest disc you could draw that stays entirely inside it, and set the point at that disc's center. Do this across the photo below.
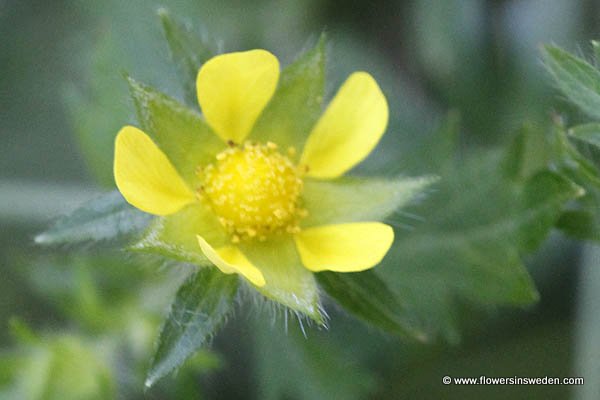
(97, 111)
(367, 297)
(108, 217)
(62, 367)
(290, 365)
(576, 78)
(201, 306)
(479, 222)
(488, 210)
(580, 82)
(187, 51)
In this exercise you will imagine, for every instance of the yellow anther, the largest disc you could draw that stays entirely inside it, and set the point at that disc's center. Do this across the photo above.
(254, 190)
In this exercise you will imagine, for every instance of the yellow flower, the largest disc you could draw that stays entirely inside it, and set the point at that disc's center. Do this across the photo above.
(246, 200)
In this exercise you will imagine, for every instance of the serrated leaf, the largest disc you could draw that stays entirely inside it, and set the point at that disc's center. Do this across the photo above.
(180, 132)
(108, 217)
(296, 105)
(532, 149)
(201, 306)
(576, 78)
(367, 297)
(478, 223)
(188, 52)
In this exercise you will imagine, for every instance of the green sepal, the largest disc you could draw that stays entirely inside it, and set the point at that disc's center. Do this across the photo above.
(175, 236)
(201, 306)
(350, 199)
(180, 132)
(296, 105)
(287, 281)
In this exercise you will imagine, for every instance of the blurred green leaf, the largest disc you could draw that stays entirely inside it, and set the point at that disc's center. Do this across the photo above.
(108, 217)
(291, 366)
(297, 103)
(64, 367)
(368, 298)
(201, 306)
(529, 152)
(589, 133)
(576, 78)
(188, 52)
(580, 224)
(98, 110)
(478, 225)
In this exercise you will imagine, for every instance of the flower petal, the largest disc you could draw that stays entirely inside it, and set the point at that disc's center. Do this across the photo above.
(349, 129)
(230, 260)
(146, 177)
(234, 88)
(287, 281)
(344, 247)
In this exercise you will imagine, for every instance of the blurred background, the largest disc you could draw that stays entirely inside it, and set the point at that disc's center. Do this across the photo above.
(82, 325)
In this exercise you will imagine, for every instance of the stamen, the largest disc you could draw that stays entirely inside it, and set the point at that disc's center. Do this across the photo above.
(254, 190)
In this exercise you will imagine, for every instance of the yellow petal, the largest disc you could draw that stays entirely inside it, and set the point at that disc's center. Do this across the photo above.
(349, 129)
(344, 247)
(230, 259)
(146, 177)
(234, 88)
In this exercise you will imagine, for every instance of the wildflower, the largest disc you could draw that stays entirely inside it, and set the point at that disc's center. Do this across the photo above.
(251, 203)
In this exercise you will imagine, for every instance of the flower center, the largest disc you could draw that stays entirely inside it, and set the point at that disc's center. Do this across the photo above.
(254, 190)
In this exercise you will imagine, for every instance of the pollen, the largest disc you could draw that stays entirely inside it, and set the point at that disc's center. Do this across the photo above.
(254, 190)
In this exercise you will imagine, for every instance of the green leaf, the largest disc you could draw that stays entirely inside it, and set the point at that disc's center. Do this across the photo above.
(108, 217)
(350, 199)
(188, 52)
(596, 48)
(181, 133)
(529, 152)
(576, 78)
(581, 224)
(296, 105)
(588, 133)
(201, 306)
(291, 366)
(478, 224)
(367, 297)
